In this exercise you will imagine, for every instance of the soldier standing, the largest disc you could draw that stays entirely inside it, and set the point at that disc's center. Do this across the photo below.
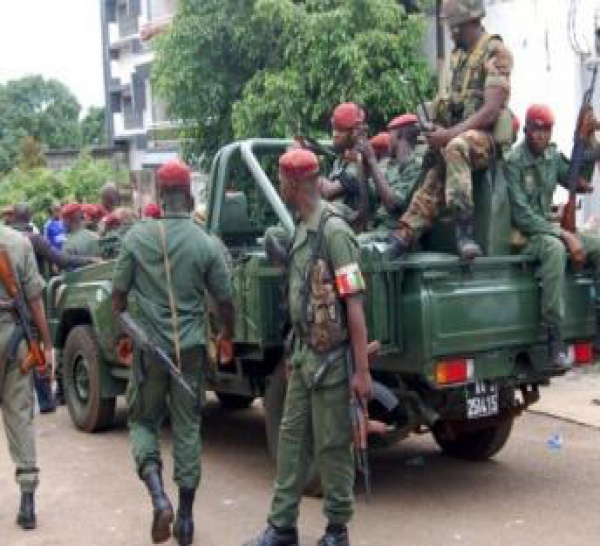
(16, 388)
(472, 125)
(165, 266)
(80, 240)
(323, 261)
(534, 168)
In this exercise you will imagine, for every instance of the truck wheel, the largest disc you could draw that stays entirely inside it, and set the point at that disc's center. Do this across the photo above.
(273, 403)
(81, 379)
(234, 401)
(477, 445)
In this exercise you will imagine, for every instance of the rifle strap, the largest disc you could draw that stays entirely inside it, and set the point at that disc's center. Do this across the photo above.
(172, 301)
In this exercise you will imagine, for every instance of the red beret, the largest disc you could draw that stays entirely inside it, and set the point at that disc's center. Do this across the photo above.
(69, 211)
(92, 212)
(112, 220)
(174, 174)
(152, 210)
(298, 165)
(381, 142)
(403, 121)
(540, 115)
(347, 116)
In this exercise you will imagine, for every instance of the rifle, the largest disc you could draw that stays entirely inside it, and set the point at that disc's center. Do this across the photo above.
(313, 145)
(35, 356)
(133, 330)
(568, 221)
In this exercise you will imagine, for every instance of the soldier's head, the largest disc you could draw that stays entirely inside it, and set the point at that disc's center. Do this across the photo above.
(8, 214)
(109, 196)
(404, 132)
(299, 180)
(463, 18)
(381, 144)
(539, 122)
(349, 125)
(72, 216)
(174, 183)
(21, 215)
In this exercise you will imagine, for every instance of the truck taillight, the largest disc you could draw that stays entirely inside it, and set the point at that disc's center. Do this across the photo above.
(582, 353)
(456, 370)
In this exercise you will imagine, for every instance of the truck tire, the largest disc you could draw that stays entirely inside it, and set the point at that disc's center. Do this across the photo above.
(81, 379)
(273, 403)
(234, 401)
(476, 445)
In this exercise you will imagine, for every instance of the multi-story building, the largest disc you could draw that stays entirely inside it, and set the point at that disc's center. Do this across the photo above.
(137, 120)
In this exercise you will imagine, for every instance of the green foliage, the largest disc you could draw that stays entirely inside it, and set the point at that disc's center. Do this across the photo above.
(42, 109)
(39, 187)
(31, 154)
(93, 127)
(231, 69)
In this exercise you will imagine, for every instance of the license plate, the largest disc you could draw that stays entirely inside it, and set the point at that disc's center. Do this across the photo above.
(482, 399)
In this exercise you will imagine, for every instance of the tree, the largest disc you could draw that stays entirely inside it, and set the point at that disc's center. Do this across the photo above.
(93, 127)
(42, 109)
(230, 69)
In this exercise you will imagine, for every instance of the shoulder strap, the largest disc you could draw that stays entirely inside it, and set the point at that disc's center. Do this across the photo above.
(172, 301)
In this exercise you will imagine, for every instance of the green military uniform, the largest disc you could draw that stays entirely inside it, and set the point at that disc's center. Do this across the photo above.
(488, 64)
(16, 389)
(196, 265)
(402, 179)
(318, 415)
(83, 242)
(110, 243)
(531, 183)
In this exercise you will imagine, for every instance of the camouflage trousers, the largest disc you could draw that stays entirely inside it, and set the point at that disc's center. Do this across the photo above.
(450, 183)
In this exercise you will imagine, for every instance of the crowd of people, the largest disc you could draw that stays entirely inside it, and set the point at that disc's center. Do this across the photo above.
(388, 190)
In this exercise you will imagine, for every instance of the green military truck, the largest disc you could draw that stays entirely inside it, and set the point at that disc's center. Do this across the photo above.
(462, 347)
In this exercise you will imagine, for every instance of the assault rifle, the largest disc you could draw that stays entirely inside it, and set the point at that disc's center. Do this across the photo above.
(139, 338)
(568, 221)
(312, 144)
(35, 356)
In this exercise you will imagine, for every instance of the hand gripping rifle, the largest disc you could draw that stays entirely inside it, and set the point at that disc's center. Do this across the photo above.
(568, 222)
(140, 339)
(35, 356)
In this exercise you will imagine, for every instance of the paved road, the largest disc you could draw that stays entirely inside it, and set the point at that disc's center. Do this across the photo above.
(529, 496)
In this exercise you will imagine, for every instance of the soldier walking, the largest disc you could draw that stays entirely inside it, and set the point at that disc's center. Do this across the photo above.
(534, 168)
(326, 310)
(164, 267)
(16, 388)
(472, 125)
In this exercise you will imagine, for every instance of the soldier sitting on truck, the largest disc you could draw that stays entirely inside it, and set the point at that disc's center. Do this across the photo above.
(80, 240)
(472, 124)
(394, 183)
(533, 169)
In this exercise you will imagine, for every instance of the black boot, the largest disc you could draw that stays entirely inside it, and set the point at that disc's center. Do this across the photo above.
(163, 511)
(399, 246)
(335, 535)
(272, 536)
(26, 516)
(466, 246)
(183, 529)
(557, 353)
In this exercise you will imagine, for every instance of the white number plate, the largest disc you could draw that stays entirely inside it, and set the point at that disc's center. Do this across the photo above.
(482, 399)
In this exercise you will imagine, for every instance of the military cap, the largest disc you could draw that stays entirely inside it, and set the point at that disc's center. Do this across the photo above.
(458, 12)
(347, 116)
(71, 210)
(539, 115)
(298, 165)
(112, 221)
(152, 210)
(93, 212)
(403, 121)
(174, 174)
(381, 142)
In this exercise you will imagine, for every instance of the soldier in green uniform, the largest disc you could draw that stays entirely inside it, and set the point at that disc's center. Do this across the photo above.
(165, 266)
(116, 225)
(326, 310)
(80, 240)
(395, 181)
(16, 389)
(534, 168)
(472, 124)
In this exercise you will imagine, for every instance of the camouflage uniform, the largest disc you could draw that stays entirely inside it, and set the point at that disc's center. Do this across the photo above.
(16, 389)
(531, 183)
(488, 65)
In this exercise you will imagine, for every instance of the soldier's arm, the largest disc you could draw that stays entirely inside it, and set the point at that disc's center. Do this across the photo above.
(384, 190)
(523, 217)
(122, 278)
(63, 261)
(218, 283)
(330, 189)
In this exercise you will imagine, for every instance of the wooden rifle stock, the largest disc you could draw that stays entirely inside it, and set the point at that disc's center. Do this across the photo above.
(35, 356)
